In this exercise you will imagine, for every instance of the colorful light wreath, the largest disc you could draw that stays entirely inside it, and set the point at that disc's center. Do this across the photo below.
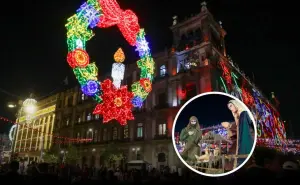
(113, 103)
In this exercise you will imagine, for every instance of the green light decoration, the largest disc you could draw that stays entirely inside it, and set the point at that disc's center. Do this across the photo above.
(90, 72)
(224, 85)
(95, 4)
(77, 27)
(235, 77)
(138, 90)
(146, 64)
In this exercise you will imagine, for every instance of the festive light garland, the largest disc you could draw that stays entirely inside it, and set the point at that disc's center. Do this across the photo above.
(104, 14)
(54, 136)
(269, 124)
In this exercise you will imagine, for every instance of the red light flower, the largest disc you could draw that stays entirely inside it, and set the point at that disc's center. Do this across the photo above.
(116, 103)
(146, 84)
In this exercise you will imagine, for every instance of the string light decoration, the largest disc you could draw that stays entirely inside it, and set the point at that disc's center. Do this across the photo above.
(11, 131)
(40, 132)
(118, 69)
(126, 20)
(116, 103)
(226, 73)
(104, 14)
(247, 97)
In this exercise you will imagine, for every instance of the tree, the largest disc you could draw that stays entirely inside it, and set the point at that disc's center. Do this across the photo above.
(71, 155)
(50, 157)
(112, 154)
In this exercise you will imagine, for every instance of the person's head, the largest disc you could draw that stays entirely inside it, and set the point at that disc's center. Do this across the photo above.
(194, 122)
(14, 166)
(267, 158)
(235, 107)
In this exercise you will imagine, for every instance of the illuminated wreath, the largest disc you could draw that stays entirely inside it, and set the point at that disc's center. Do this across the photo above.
(113, 102)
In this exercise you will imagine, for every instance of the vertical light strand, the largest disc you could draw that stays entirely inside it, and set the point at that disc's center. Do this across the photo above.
(224, 85)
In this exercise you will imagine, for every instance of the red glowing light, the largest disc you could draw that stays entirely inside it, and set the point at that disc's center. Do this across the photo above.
(146, 84)
(78, 58)
(116, 103)
(247, 97)
(226, 72)
(126, 20)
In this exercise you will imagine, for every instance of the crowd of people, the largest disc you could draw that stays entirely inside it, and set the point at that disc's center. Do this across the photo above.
(265, 164)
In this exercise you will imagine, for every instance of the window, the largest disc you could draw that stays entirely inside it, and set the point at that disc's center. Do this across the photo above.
(162, 70)
(105, 134)
(78, 119)
(140, 130)
(162, 129)
(89, 117)
(70, 102)
(97, 116)
(126, 132)
(115, 133)
(67, 121)
(95, 136)
(82, 97)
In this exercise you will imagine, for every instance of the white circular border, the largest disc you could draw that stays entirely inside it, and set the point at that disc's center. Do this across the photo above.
(206, 174)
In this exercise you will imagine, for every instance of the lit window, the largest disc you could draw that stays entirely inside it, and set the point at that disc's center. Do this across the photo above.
(79, 119)
(126, 132)
(82, 97)
(140, 130)
(97, 116)
(115, 133)
(67, 121)
(89, 117)
(162, 70)
(162, 129)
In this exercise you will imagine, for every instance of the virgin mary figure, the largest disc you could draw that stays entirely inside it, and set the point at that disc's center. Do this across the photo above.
(244, 129)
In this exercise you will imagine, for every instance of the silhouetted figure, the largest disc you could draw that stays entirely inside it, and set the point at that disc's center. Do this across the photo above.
(12, 175)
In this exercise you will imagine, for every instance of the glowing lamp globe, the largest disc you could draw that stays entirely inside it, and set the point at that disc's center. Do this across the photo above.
(29, 106)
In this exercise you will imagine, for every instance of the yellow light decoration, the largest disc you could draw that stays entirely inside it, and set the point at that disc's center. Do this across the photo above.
(77, 27)
(90, 72)
(119, 56)
(118, 102)
(138, 90)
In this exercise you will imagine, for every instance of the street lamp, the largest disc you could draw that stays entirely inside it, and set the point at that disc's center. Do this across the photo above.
(136, 150)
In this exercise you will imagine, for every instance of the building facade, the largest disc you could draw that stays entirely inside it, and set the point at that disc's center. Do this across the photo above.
(34, 137)
(196, 63)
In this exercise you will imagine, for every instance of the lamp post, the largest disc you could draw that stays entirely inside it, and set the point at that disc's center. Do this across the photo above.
(136, 150)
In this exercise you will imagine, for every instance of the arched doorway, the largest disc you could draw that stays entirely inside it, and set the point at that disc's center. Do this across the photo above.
(161, 160)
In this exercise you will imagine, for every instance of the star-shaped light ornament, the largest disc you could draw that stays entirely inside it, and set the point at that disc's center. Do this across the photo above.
(116, 103)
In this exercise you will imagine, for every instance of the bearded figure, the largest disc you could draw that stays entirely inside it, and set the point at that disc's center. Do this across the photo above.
(191, 135)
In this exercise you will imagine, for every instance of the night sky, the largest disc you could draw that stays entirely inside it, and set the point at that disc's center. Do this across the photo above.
(209, 109)
(262, 38)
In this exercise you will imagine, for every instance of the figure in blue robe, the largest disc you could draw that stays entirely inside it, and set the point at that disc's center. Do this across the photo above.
(244, 127)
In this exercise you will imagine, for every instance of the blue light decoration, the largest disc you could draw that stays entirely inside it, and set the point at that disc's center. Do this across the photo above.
(91, 15)
(142, 46)
(91, 88)
(137, 101)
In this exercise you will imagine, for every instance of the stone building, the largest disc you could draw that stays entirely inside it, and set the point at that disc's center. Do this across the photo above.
(190, 67)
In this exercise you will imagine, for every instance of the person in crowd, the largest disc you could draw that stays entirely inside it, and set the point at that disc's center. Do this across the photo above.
(265, 164)
(191, 135)
(12, 175)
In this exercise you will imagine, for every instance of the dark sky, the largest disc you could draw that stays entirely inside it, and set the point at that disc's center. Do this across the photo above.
(263, 39)
(209, 109)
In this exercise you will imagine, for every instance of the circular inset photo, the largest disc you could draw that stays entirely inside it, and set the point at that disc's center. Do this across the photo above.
(214, 134)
